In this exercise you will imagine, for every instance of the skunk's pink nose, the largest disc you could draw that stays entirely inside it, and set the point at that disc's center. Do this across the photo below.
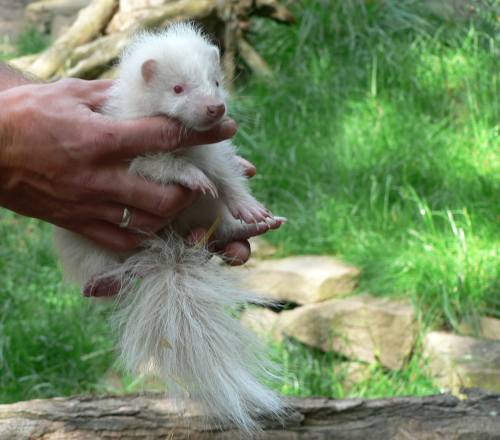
(216, 111)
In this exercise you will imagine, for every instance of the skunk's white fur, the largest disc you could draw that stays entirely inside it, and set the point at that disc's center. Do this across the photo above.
(173, 313)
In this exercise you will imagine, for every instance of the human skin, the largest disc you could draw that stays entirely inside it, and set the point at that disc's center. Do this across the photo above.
(63, 162)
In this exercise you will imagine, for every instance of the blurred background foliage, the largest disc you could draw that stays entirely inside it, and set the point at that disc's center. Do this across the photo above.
(377, 138)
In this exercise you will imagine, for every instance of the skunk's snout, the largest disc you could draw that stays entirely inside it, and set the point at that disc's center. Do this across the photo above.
(216, 111)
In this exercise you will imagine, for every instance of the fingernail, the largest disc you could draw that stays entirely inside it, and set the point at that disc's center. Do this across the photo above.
(228, 128)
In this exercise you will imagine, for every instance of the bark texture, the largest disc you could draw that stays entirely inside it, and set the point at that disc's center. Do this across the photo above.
(474, 417)
(89, 23)
(98, 34)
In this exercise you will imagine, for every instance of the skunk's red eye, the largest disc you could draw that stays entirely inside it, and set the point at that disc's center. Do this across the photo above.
(178, 89)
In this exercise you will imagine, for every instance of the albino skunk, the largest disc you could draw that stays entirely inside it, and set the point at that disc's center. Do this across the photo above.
(173, 312)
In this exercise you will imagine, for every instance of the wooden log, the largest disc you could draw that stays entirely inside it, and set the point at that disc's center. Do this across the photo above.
(78, 53)
(274, 10)
(22, 63)
(45, 9)
(152, 17)
(184, 8)
(53, 16)
(109, 74)
(226, 11)
(477, 416)
(96, 55)
(266, 8)
(89, 23)
(252, 58)
(132, 5)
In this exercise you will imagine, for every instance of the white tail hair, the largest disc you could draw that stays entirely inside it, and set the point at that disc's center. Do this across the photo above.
(174, 320)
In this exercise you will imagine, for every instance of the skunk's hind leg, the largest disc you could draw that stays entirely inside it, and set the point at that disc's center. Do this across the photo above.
(81, 259)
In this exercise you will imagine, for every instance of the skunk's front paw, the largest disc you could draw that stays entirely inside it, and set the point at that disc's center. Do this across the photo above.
(196, 180)
(249, 210)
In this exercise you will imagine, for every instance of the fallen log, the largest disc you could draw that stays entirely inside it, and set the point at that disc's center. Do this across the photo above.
(91, 45)
(96, 55)
(274, 10)
(22, 63)
(253, 59)
(476, 416)
(43, 11)
(90, 22)
(159, 15)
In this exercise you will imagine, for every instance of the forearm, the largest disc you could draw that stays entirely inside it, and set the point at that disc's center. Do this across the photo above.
(11, 77)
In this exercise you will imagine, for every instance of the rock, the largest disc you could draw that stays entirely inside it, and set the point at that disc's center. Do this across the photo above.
(488, 328)
(461, 361)
(302, 279)
(263, 322)
(351, 373)
(261, 248)
(361, 328)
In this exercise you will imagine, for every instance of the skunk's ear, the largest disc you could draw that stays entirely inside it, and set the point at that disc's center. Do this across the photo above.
(148, 70)
(215, 54)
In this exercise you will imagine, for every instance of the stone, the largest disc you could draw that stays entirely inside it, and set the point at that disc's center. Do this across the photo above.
(301, 279)
(261, 248)
(351, 373)
(361, 328)
(263, 322)
(488, 328)
(462, 361)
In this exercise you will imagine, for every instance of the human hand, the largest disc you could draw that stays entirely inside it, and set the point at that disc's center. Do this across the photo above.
(63, 162)
(235, 252)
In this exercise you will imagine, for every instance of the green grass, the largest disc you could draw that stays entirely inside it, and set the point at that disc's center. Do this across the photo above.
(52, 341)
(30, 41)
(378, 139)
(306, 372)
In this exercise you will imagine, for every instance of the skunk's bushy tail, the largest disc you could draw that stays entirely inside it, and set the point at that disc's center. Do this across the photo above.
(174, 319)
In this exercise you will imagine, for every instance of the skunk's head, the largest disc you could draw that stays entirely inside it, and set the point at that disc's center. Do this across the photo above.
(181, 69)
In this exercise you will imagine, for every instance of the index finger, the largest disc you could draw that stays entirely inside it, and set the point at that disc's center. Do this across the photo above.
(131, 138)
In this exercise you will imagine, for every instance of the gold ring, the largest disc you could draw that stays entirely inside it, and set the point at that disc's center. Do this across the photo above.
(126, 218)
